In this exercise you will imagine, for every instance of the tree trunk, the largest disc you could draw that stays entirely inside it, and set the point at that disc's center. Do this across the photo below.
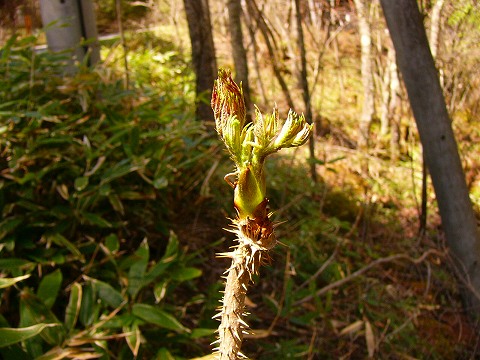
(118, 9)
(394, 107)
(238, 49)
(440, 148)
(256, 14)
(251, 33)
(435, 26)
(367, 74)
(305, 90)
(203, 54)
(75, 20)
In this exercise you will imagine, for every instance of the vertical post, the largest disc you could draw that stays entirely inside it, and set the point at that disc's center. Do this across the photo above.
(67, 22)
(89, 30)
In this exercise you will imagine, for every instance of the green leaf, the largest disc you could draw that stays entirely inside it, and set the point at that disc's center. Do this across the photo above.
(7, 282)
(160, 289)
(116, 203)
(33, 311)
(158, 317)
(62, 241)
(28, 177)
(186, 273)
(94, 219)
(132, 195)
(81, 183)
(9, 224)
(172, 247)
(15, 264)
(134, 338)
(164, 354)
(137, 269)
(112, 243)
(10, 336)
(202, 332)
(49, 287)
(121, 169)
(89, 308)
(171, 254)
(107, 293)
(119, 321)
(73, 308)
(160, 182)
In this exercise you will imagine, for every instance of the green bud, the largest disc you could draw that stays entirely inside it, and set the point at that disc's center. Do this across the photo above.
(227, 101)
(295, 132)
(249, 192)
(250, 144)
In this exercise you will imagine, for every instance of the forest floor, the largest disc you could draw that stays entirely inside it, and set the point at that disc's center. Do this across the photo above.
(353, 275)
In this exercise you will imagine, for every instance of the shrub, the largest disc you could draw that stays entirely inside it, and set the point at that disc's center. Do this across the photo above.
(89, 175)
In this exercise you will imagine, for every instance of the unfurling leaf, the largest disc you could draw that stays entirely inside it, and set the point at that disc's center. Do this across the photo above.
(250, 144)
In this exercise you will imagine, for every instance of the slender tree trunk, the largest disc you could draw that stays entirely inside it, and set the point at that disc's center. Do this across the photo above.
(435, 26)
(441, 153)
(203, 54)
(367, 74)
(394, 107)
(312, 12)
(238, 49)
(333, 21)
(118, 8)
(263, 27)
(386, 96)
(305, 89)
(434, 32)
(251, 33)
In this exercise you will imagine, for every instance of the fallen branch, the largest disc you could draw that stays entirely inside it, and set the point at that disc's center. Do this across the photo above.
(363, 270)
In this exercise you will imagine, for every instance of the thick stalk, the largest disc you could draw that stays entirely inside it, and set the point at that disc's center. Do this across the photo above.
(255, 238)
(232, 326)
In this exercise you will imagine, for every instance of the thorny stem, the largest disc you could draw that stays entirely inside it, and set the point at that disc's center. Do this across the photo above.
(248, 145)
(232, 327)
(255, 238)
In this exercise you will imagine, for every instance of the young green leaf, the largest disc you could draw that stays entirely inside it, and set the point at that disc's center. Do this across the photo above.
(133, 338)
(137, 269)
(164, 354)
(62, 241)
(90, 307)
(81, 183)
(15, 264)
(7, 282)
(34, 311)
(153, 315)
(107, 293)
(49, 287)
(10, 336)
(73, 308)
(185, 273)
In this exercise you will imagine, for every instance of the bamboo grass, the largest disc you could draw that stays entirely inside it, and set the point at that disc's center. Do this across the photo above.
(249, 144)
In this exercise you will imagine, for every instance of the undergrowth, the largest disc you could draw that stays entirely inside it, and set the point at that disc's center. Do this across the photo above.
(91, 175)
(111, 201)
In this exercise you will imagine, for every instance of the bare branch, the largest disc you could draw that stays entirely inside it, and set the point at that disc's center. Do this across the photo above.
(363, 270)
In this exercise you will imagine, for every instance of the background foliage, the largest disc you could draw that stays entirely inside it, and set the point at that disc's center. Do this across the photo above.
(112, 201)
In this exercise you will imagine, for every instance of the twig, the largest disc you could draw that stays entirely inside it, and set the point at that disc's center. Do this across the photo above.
(321, 270)
(286, 277)
(118, 7)
(463, 276)
(365, 269)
